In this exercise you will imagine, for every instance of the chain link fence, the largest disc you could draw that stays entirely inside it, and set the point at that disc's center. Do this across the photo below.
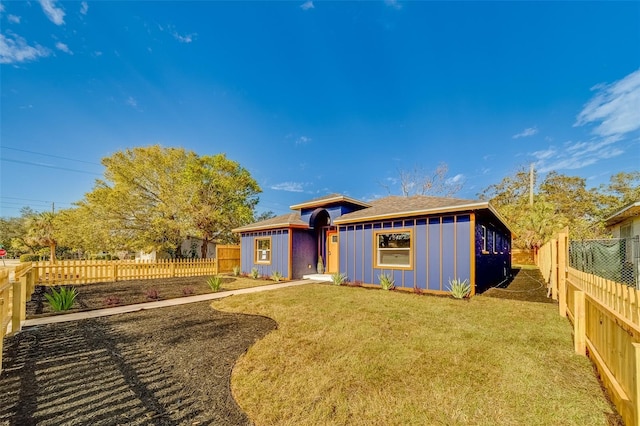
(616, 259)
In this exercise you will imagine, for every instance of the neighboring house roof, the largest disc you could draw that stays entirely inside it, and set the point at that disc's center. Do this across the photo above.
(630, 210)
(289, 220)
(328, 199)
(397, 206)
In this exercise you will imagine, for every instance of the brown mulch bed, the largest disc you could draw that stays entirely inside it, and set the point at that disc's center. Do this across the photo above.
(169, 366)
(527, 285)
(111, 294)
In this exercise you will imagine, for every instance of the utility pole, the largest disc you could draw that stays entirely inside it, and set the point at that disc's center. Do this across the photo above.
(531, 185)
(53, 207)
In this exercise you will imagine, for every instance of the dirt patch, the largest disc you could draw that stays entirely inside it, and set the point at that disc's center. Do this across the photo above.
(527, 285)
(165, 366)
(111, 294)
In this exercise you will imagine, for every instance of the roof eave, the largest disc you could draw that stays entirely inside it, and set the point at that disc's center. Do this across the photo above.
(448, 209)
(270, 226)
(618, 217)
(324, 202)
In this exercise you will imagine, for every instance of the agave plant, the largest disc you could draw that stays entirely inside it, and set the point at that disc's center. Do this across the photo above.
(236, 270)
(338, 279)
(386, 282)
(459, 289)
(276, 276)
(215, 282)
(254, 273)
(61, 300)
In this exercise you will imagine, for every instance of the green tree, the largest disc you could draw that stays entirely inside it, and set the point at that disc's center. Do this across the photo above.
(264, 216)
(623, 188)
(42, 230)
(13, 233)
(223, 196)
(152, 198)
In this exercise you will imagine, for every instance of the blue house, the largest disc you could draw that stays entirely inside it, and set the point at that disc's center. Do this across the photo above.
(422, 242)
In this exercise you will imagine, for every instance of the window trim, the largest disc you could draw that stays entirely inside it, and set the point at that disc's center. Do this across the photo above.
(483, 238)
(255, 250)
(377, 265)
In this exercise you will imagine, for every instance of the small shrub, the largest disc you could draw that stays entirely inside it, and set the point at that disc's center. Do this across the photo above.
(153, 294)
(320, 265)
(417, 290)
(188, 291)
(215, 282)
(459, 289)
(63, 299)
(254, 273)
(112, 301)
(338, 279)
(276, 276)
(386, 282)
(29, 258)
(236, 271)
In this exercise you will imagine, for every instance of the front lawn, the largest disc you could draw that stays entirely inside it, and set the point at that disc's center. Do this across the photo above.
(344, 355)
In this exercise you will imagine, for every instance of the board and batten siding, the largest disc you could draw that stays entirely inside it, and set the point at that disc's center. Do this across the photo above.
(279, 252)
(441, 246)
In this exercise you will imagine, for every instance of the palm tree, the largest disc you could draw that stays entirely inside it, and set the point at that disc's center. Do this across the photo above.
(41, 230)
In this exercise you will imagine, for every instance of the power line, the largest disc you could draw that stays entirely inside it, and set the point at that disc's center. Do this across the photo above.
(51, 155)
(10, 160)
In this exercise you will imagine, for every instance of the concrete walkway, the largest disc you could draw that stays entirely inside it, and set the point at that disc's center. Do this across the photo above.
(159, 304)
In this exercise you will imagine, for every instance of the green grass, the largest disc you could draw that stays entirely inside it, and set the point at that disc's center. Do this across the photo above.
(346, 355)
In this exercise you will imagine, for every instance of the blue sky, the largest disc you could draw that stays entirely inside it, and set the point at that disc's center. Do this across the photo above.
(317, 97)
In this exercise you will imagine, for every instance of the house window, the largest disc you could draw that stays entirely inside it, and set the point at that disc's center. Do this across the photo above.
(393, 249)
(484, 239)
(263, 250)
(494, 247)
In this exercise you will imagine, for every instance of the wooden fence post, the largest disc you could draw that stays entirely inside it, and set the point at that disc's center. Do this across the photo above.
(172, 267)
(553, 278)
(114, 272)
(579, 323)
(19, 310)
(562, 271)
(635, 397)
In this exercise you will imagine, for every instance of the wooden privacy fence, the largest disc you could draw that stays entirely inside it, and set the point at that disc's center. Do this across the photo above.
(93, 271)
(13, 301)
(606, 323)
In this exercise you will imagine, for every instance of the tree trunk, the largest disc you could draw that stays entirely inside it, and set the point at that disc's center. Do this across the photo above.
(52, 253)
(205, 247)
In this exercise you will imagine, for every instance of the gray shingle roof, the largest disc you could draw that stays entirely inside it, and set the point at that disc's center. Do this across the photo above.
(397, 206)
(289, 220)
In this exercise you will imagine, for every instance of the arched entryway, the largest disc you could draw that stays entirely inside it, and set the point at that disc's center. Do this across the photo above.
(327, 239)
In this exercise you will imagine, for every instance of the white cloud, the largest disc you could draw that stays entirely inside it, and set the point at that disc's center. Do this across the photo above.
(303, 140)
(187, 38)
(288, 186)
(13, 19)
(530, 131)
(393, 3)
(132, 102)
(14, 48)
(1, 7)
(459, 178)
(63, 47)
(84, 7)
(575, 155)
(307, 5)
(97, 53)
(544, 154)
(615, 108)
(55, 14)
